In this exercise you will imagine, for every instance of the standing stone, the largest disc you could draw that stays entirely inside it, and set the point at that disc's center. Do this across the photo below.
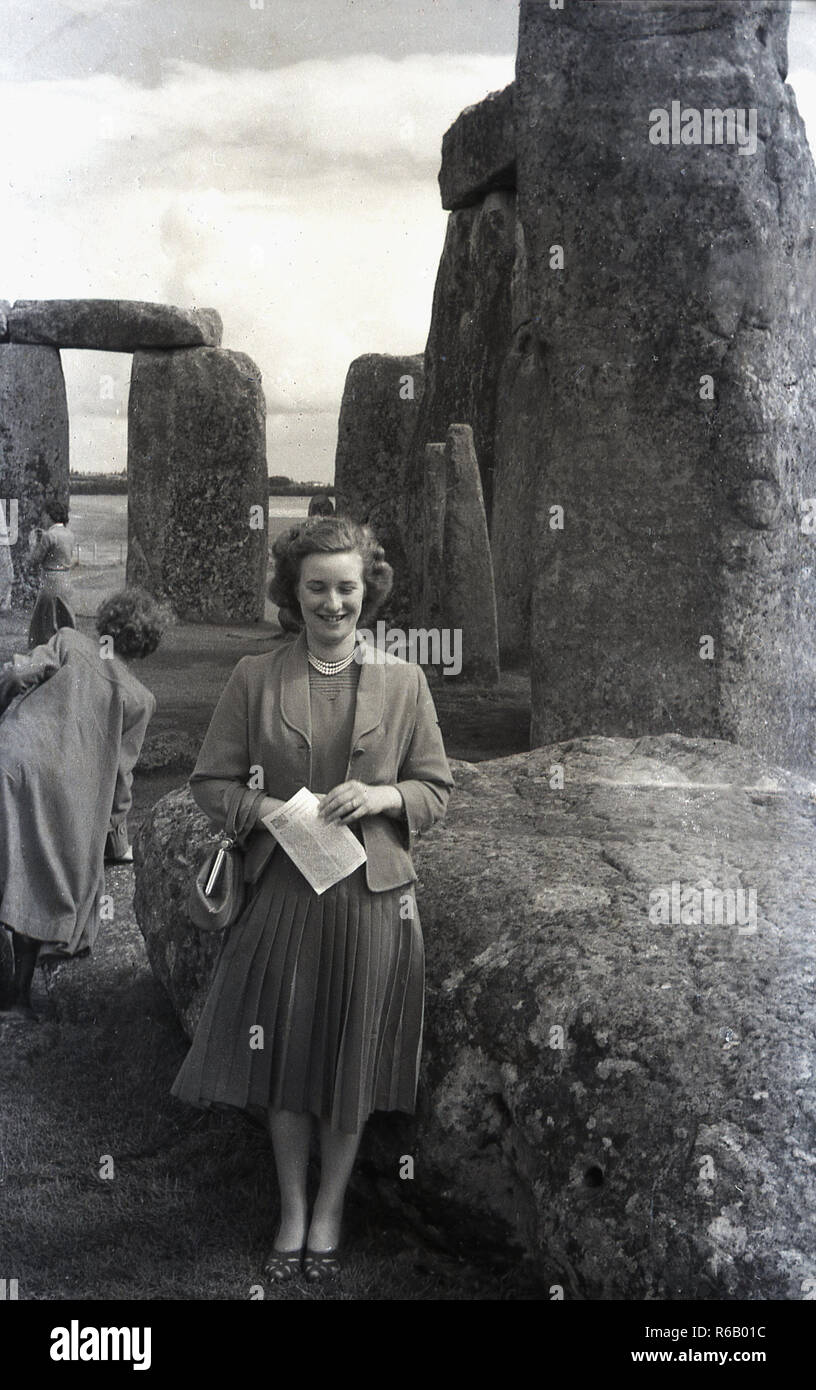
(112, 325)
(470, 332)
(378, 416)
(677, 423)
(468, 592)
(197, 481)
(33, 450)
(434, 500)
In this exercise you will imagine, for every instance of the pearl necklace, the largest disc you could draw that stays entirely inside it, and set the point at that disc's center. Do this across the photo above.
(330, 668)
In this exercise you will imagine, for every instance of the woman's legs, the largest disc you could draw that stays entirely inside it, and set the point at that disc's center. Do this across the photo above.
(337, 1155)
(291, 1134)
(290, 1143)
(25, 959)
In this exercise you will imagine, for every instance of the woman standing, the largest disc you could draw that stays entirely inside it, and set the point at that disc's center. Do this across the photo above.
(335, 981)
(72, 729)
(53, 549)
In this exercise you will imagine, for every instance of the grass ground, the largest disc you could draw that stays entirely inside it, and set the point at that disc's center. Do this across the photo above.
(109, 1188)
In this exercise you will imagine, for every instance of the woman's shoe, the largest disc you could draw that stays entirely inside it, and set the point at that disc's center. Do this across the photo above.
(319, 1265)
(282, 1265)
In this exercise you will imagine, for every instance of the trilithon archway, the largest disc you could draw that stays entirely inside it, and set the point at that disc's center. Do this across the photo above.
(197, 475)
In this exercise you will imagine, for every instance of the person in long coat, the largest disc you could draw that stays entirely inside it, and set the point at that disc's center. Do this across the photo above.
(335, 981)
(71, 731)
(53, 550)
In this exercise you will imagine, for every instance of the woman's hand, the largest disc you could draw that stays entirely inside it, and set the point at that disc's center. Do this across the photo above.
(268, 806)
(350, 801)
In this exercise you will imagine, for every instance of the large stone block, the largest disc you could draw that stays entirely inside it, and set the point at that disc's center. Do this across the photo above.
(468, 597)
(33, 449)
(378, 415)
(182, 957)
(679, 403)
(471, 328)
(615, 1086)
(196, 479)
(479, 152)
(112, 325)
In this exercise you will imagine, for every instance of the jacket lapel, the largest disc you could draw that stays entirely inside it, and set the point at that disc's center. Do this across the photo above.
(294, 696)
(370, 697)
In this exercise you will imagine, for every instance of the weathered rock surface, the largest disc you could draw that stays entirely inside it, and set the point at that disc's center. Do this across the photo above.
(479, 152)
(378, 415)
(4, 313)
(514, 534)
(676, 415)
(33, 449)
(112, 325)
(629, 1101)
(197, 478)
(468, 594)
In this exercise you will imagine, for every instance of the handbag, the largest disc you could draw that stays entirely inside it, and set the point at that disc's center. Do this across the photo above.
(216, 897)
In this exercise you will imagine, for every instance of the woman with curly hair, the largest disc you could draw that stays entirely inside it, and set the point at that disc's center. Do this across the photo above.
(74, 717)
(335, 980)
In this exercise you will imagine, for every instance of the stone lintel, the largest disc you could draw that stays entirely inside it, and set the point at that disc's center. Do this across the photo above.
(112, 325)
(479, 151)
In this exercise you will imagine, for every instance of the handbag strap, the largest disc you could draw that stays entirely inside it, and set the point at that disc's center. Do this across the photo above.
(230, 830)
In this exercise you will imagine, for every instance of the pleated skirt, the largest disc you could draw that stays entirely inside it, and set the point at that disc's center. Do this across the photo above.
(316, 1003)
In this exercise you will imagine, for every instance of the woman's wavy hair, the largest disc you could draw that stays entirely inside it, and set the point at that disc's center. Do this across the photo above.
(327, 535)
(134, 620)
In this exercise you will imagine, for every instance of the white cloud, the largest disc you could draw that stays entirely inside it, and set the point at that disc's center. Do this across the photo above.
(241, 129)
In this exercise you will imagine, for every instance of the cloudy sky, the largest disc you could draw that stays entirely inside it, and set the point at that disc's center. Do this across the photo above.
(275, 159)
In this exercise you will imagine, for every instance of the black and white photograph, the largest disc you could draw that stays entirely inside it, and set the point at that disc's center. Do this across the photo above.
(408, 668)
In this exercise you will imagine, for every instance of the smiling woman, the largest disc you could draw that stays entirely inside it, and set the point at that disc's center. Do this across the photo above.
(331, 983)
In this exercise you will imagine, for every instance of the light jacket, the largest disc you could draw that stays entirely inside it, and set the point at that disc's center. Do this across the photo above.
(263, 722)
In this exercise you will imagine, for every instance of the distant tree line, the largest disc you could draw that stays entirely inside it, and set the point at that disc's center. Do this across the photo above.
(279, 485)
(81, 484)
